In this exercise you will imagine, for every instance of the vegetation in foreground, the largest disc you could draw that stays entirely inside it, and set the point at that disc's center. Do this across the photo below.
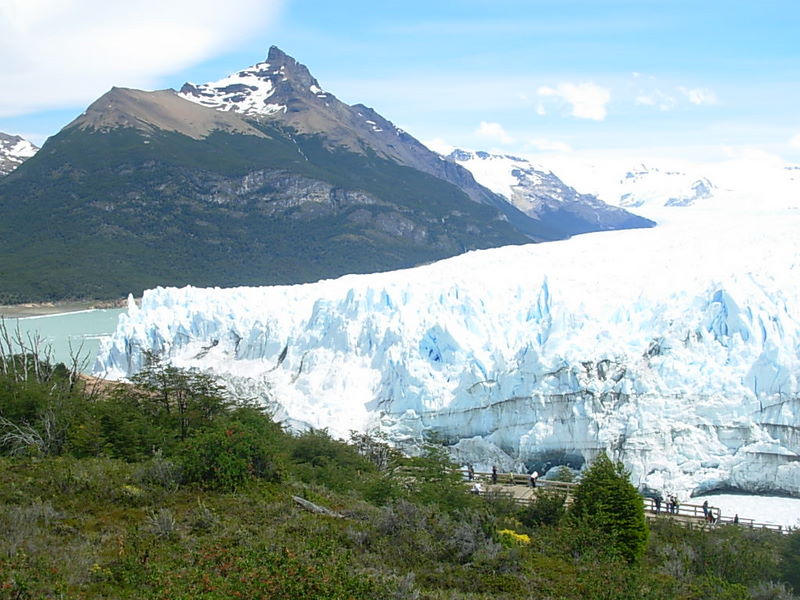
(167, 489)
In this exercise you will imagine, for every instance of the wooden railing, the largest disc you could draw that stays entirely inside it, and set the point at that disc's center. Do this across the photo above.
(518, 479)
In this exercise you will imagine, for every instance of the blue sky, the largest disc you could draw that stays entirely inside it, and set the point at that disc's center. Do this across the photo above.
(699, 80)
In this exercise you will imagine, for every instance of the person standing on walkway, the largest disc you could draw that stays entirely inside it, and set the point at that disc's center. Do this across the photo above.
(494, 474)
(657, 501)
(705, 510)
(534, 477)
(470, 472)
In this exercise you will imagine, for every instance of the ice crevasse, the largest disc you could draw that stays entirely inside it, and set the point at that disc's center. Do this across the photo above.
(675, 349)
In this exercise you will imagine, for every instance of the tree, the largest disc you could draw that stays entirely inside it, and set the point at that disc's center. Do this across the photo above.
(606, 500)
(790, 563)
(184, 399)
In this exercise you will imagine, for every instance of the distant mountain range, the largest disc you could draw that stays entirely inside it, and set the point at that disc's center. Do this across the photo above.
(14, 150)
(540, 194)
(259, 178)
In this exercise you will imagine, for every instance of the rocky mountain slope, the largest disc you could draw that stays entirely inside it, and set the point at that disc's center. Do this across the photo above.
(14, 150)
(540, 194)
(281, 89)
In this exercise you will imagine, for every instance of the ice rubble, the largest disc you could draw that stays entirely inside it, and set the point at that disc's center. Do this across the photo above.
(677, 349)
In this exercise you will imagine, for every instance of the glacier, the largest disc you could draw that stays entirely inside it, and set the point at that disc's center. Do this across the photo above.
(676, 349)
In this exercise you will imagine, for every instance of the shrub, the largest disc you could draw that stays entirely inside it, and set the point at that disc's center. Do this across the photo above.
(318, 458)
(228, 455)
(161, 472)
(509, 537)
(547, 508)
(162, 523)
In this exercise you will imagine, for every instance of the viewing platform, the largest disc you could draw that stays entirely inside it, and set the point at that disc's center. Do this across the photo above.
(517, 487)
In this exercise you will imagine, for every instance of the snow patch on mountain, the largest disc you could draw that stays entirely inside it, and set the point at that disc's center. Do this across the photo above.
(14, 150)
(247, 91)
(677, 349)
(497, 171)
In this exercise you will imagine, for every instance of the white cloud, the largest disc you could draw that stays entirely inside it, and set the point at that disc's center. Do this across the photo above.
(699, 96)
(587, 100)
(658, 99)
(494, 131)
(794, 141)
(550, 145)
(60, 53)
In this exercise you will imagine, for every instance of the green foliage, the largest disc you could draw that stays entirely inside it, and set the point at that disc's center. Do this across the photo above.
(714, 588)
(260, 571)
(547, 508)
(184, 400)
(226, 456)
(790, 561)
(432, 478)
(318, 458)
(605, 499)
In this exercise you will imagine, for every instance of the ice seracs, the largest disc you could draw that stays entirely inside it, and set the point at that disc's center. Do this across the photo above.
(677, 349)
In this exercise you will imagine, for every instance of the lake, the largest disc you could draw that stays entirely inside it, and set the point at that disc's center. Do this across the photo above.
(67, 334)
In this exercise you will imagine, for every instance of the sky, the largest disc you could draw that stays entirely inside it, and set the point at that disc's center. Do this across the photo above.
(699, 80)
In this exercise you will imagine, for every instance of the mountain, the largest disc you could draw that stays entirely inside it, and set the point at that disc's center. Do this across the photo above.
(674, 348)
(655, 187)
(541, 195)
(261, 178)
(14, 150)
(281, 89)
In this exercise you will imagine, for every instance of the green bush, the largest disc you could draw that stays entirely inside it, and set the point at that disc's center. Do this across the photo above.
(320, 459)
(547, 508)
(227, 456)
(790, 561)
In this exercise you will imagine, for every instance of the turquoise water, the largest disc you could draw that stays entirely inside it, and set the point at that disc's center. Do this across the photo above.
(69, 334)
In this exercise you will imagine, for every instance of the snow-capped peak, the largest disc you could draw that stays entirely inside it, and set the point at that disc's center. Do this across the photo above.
(14, 150)
(256, 89)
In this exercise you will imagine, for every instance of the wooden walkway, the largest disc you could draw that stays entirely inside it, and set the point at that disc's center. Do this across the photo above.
(517, 487)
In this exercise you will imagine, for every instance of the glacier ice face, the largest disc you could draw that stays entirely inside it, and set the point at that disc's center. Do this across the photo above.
(677, 349)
